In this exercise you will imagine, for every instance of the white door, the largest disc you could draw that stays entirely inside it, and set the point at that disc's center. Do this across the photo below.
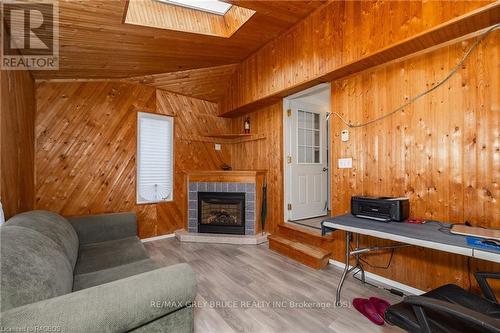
(307, 161)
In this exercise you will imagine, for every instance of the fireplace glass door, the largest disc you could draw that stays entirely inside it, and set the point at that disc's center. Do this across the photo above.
(221, 212)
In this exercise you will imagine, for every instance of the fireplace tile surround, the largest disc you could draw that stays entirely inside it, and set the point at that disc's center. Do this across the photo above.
(250, 197)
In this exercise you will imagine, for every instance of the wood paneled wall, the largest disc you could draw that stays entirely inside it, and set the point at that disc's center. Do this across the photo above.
(443, 152)
(86, 145)
(264, 154)
(17, 127)
(333, 36)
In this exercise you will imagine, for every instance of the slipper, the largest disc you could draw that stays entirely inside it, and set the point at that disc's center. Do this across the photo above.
(380, 305)
(368, 310)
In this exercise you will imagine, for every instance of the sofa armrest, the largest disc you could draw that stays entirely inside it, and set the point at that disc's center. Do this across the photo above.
(100, 228)
(117, 306)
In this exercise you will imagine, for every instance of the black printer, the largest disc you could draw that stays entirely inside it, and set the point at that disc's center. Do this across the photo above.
(384, 209)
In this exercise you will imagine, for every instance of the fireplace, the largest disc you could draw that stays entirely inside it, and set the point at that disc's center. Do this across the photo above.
(221, 212)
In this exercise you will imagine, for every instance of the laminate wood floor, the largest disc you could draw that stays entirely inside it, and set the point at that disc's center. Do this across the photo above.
(248, 288)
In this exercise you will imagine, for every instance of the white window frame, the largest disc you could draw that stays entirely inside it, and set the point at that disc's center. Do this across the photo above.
(138, 157)
(208, 6)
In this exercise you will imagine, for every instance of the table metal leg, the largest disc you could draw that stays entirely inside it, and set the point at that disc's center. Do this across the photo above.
(357, 267)
(346, 268)
(358, 263)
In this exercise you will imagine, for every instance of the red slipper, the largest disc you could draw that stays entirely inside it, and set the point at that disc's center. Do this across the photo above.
(380, 305)
(368, 310)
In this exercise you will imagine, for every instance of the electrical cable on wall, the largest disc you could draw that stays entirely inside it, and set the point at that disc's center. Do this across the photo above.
(440, 83)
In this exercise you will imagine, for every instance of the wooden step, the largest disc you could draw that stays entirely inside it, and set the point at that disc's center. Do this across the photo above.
(311, 256)
(305, 235)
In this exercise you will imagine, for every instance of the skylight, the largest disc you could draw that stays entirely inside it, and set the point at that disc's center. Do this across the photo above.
(210, 6)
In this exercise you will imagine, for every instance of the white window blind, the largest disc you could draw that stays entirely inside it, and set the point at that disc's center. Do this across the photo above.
(154, 158)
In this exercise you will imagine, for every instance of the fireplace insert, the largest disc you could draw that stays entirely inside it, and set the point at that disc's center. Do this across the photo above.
(221, 212)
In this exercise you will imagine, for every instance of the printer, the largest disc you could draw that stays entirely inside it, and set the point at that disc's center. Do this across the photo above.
(384, 209)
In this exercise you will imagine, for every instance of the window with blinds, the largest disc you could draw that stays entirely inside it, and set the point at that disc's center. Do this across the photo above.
(154, 158)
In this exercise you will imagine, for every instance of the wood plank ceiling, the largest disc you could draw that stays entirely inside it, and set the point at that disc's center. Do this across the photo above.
(94, 43)
(209, 84)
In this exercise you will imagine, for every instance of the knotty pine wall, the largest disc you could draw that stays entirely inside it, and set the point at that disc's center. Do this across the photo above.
(443, 152)
(266, 154)
(334, 35)
(86, 145)
(17, 127)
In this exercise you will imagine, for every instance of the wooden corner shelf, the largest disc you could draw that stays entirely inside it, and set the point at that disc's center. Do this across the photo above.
(229, 136)
(233, 138)
(225, 138)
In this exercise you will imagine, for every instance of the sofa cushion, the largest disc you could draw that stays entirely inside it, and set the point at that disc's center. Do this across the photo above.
(104, 227)
(83, 281)
(104, 255)
(33, 267)
(53, 226)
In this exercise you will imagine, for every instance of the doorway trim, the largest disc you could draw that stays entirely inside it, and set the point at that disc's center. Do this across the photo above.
(287, 145)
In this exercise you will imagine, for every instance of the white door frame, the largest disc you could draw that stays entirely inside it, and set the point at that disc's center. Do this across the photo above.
(287, 145)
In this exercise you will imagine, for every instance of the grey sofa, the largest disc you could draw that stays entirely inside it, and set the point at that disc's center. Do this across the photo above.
(88, 274)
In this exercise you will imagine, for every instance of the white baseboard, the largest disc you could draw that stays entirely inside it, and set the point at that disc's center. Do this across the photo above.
(150, 239)
(381, 279)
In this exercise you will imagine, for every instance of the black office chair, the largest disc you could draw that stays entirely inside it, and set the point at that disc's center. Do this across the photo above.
(449, 309)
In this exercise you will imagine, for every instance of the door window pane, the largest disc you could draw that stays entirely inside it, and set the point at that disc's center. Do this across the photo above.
(309, 154)
(301, 155)
(308, 137)
(309, 119)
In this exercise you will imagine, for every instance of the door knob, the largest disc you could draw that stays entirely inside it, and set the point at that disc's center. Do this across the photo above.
(325, 169)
